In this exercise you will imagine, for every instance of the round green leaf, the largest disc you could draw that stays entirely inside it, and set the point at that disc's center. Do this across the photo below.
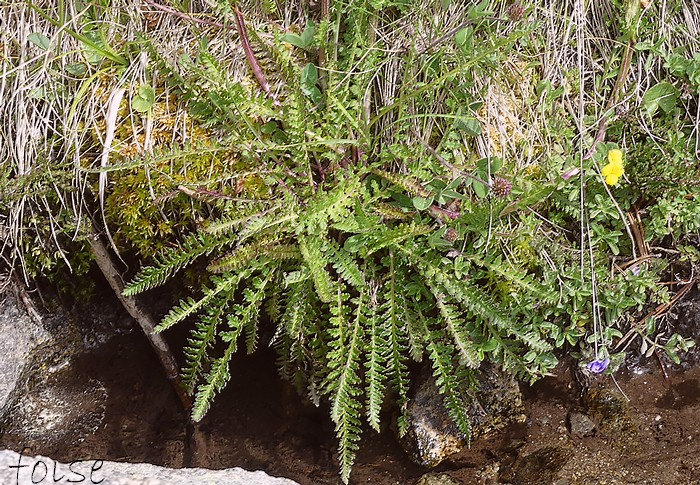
(422, 203)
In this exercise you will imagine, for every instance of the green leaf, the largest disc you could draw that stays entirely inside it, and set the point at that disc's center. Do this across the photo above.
(614, 247)
(438, 241)
(94, 47)
(673, 355)
(139, 104)
(147, 93)
(477, 12)
(437, 184)
(293, 39)
(77, 69)
(144, 100)
(307, 36)
(461, 37)
(469, 125)
(677, 64)
(171, 261)
(353, 243)
(39, 40)
(310, 248)
(309, 75)
(490, 345)
(455, 183)
(314, 94)
(268, 128)
(401, 199)
(37, 93)
(422, 203)
(302, 41)
(448, 195)
(107, 52)
(480, 189)
(663, 95)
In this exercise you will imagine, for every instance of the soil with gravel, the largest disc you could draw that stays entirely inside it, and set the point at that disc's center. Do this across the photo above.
(646, 423)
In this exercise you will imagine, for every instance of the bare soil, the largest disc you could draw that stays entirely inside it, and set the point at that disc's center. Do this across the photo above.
(259, 422)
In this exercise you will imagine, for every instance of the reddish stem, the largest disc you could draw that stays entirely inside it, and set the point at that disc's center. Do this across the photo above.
(249, 54)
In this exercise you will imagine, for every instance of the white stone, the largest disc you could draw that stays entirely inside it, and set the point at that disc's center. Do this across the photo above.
(41, 470)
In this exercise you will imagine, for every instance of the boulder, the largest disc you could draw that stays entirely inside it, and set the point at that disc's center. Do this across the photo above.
(21, 335)
(39, 399)
(614, 417)
(432, 436)
(41, 470)
(56, 410)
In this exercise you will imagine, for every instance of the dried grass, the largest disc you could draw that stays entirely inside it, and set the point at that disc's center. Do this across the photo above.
(49, 118)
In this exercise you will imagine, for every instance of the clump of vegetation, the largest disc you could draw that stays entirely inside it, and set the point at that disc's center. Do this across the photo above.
(373, 183)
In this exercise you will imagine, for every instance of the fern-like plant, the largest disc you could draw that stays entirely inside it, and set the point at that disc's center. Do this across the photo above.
(347, 282)
(358, 259)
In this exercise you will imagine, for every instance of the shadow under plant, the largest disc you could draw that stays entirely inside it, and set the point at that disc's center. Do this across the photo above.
(260, 422)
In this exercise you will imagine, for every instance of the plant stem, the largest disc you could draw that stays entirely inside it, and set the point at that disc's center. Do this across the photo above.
(325, 11)
(442, 213)
(142, 317)
(621, 77)
(450, 166)
(249, 54)
(662, 308)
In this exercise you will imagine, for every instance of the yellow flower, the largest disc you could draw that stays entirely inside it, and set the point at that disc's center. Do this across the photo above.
(615, 156)
(611, 179)
(614, 169)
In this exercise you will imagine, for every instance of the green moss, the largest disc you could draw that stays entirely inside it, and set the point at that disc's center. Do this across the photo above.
(149, 211)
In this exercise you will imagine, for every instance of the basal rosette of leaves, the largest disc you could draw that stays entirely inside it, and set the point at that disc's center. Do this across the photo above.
(354, 286)
(364, 253)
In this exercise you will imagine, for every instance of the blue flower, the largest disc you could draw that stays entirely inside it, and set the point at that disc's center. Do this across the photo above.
(598, 366)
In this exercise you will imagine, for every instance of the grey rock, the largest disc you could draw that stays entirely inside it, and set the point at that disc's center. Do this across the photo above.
(432, 436)
(57, 409)
(437, 479)
(112, 473)
(41, 400)
(20, 336)
(51, 403)
(581, 425)
(541, 466)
